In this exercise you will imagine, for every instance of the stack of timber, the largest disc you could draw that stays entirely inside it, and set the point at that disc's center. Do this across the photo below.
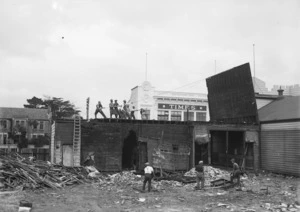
(16, 171)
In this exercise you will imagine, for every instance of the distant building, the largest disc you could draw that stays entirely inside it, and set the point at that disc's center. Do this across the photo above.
(35, 122)
(259, 86)
(289, 90)
(168, 105)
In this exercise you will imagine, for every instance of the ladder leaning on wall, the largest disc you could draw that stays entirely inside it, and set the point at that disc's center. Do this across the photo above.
(76, 140)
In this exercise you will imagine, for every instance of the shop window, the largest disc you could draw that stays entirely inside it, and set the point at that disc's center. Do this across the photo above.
(190, 116)
(175, 115)
(200, 116)
(162, 115)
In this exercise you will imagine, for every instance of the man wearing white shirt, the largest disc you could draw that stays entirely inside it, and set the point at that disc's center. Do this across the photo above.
(148, 176)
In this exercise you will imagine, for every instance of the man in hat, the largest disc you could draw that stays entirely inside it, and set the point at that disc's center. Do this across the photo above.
(99, 108)
(149, 172)
(199, 175)
(236, 172)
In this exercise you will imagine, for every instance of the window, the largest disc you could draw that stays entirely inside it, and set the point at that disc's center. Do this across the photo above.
(3, 124)
(41, 125)
(175, 115)
(20, 123)
(37, 135)
(200, 116)
(162, 115)
(190, 116)
(3, 138)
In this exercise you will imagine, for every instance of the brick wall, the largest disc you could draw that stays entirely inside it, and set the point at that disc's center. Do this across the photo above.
(106, 140)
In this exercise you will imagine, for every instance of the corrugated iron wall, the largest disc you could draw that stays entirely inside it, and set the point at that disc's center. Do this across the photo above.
(280, 147)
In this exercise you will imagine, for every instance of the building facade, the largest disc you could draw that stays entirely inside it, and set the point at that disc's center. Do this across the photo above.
(30, 122)
(168, 105)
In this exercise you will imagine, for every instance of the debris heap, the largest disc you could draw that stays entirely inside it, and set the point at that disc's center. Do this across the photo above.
(16, 171)
(211, 173)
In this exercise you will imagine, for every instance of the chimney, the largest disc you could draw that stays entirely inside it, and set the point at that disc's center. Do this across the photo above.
(280, 91)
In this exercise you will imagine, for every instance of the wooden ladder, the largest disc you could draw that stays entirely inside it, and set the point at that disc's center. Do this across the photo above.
(76, 141)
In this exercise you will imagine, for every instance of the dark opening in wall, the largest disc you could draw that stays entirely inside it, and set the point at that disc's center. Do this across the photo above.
(226, 145)
(130, 151)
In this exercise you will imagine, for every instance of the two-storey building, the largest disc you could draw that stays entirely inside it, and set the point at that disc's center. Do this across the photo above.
(32, 122)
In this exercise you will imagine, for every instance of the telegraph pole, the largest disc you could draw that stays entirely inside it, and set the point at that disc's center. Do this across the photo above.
(87, 108)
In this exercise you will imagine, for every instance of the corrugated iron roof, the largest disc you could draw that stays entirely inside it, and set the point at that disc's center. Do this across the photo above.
(30, 113)
(285, 107)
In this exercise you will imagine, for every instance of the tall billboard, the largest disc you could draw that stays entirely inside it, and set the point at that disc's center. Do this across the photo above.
(231, 96)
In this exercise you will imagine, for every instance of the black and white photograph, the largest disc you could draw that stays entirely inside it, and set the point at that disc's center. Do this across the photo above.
(147, 105)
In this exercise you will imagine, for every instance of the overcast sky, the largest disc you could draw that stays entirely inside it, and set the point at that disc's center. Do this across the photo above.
(102, 55)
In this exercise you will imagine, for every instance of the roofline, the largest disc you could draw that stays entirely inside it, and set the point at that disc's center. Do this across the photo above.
(280, 121)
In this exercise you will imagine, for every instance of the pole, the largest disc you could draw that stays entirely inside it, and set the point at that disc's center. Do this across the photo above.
(254, 59)
(87, 108)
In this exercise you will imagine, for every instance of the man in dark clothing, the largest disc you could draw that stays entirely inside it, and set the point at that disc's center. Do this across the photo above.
(236, 172)
(132, 113)
(99, 110)
(116, 108)
(199, 175)
(149, 172)
(112, 110)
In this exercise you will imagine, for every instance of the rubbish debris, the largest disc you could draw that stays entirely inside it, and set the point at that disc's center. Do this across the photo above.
(19, 171)
(142, 199)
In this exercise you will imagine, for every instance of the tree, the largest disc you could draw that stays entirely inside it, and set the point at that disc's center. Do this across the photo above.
(35, 102)
(61, 108)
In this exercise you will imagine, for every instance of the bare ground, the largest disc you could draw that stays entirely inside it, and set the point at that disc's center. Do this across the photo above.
(281, 195)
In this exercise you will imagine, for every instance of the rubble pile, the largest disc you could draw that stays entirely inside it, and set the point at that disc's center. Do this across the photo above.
(125, 177)
(16, 171)
(211, 173)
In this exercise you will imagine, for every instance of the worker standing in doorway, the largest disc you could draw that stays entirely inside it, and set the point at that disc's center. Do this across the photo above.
(149, 173)
(199, 175)
(236, 172)
(99, 108)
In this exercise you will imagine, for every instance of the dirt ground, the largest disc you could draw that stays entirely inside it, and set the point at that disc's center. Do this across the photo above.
(265, 192)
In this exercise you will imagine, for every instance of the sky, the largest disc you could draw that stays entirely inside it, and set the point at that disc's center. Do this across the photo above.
(76, 49)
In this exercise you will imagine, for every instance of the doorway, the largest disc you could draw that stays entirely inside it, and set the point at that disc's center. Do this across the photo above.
(201, 153)
(130, 151)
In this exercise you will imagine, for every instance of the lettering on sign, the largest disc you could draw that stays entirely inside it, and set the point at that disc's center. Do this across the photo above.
(181, 107)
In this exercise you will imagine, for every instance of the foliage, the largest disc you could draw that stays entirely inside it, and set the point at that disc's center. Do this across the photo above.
(40, 141)
(19, 136)
(35, 102)
(59, 107)
(33, 123)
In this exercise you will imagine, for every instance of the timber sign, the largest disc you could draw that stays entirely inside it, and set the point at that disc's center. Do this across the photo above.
(181, 107)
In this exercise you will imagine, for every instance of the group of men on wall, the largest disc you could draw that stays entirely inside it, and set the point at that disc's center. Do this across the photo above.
(118, 111)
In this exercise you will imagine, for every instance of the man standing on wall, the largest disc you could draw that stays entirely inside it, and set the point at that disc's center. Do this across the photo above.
(199, 175)
(149, 172)
(99, 108)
